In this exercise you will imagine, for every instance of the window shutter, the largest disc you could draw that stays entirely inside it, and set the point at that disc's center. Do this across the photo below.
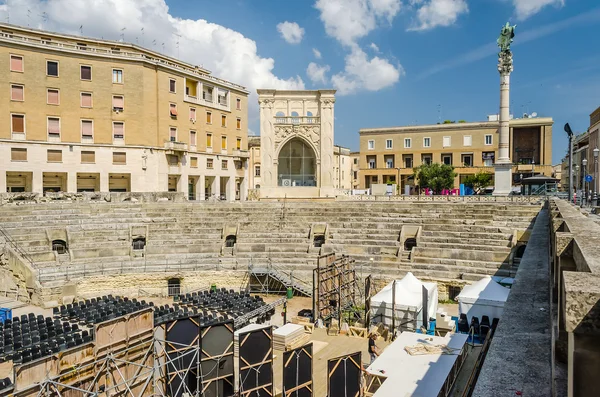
(173, 109)
(86, 73)
(86, 100)
(54, 126)
(208, 140)
(16, 63)
(118, 130)
(87, 128)
(88, 157)
(446, 141)
(467, 141)
(53, 97)
(18, 123)
(194, 162)
(18, 154)
(16, 92)
(118, 102)
(193, 138)
(209, 118)
(223, 142)
(193, 114)
(119, 158)
(55, 156)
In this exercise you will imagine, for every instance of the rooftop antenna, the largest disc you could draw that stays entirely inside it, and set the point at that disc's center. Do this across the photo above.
(28, 16)
(163, 47)
(44, 19)
(439, 113)
(142, 36)
(178, 37)
(123, 34)
(81, 30)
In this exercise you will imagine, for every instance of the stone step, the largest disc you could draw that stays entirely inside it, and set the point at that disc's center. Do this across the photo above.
(459, 241)
(465, 254)
(469, 246)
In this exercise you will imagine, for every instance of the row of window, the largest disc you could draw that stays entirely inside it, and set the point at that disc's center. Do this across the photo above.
(17, 93)
(55, 156)
(87, 131)
(119, 158)
(85, 74)
(52, 69)
(465, 159)
(447, 142)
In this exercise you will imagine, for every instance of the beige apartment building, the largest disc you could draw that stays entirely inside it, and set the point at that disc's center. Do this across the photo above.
(254, 162)
(355, 157)
(83, 114)
(388, 155)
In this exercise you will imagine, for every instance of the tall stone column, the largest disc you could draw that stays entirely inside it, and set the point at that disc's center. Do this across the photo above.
(503, 164)
(326, 182)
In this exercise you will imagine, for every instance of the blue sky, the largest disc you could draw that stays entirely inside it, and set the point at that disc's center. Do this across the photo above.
(394, 62)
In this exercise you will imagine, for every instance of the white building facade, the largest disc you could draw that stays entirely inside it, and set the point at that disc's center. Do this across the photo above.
(297, 150)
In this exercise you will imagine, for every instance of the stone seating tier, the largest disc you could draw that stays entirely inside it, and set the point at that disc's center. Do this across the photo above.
(458, 240)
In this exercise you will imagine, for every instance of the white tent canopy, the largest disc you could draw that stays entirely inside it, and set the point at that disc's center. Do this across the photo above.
(484, 298)
(408, 303)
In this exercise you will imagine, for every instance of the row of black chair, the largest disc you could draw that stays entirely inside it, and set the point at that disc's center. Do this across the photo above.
(480, 329)
(5, 383)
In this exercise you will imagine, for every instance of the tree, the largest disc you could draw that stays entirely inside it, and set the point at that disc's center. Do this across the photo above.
(479, 180)
(435, 176)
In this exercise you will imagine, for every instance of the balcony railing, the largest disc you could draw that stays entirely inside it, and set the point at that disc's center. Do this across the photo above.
(112, 52)
(176, 146)
(298, 120)
(241, 153)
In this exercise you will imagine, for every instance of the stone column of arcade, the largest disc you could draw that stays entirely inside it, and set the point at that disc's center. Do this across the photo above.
(503, 165)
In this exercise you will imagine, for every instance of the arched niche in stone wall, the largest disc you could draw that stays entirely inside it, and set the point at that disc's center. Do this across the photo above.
(297, 163)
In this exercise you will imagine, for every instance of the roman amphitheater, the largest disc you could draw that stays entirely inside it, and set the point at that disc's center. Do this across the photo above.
(60, 251)
(86, 248)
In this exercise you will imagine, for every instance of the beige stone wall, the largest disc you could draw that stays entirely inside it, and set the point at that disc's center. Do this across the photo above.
(150, 284)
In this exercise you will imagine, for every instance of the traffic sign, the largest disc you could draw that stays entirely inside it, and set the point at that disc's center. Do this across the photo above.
(588, 178)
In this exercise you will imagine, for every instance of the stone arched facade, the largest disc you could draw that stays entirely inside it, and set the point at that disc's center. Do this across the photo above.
(304, 115)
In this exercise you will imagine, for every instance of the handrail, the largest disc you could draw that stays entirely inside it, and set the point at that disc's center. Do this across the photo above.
(16, 247)
(115, 52)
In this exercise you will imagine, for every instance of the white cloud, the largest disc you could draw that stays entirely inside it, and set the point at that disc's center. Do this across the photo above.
(527, 8)
(317, 53)
(290, 32)
(227, 53)
(348, 20)
(360, 73)
(316, 73)
(374, 47)
(433, 13)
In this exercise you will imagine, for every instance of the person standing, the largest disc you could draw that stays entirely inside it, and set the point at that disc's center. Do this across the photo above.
(373, 349)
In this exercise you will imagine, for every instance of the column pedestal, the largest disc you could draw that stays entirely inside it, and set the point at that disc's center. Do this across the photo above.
(502, 179)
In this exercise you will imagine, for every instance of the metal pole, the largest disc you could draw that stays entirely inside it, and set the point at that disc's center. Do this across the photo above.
(393, 308)
(570, 167)
(595, 199)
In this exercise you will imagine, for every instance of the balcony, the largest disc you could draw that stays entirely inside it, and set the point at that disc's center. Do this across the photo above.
(241, 153)
(175, 147)
(298, 120)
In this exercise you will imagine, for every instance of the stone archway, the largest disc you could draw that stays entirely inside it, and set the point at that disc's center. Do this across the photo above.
(297, 164)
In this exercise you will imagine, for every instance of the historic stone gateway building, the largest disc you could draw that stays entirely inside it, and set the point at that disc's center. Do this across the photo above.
(297, 151)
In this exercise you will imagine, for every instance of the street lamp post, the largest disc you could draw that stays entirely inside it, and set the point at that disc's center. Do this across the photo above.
(585, 183)
(576, 182)
(595, 198)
